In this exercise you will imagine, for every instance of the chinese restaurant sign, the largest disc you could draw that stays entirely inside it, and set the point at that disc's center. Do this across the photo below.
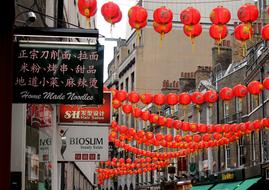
(87, 114)
(82, 144)
(58, 73)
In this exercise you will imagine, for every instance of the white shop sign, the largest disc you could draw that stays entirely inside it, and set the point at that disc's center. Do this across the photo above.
(82, 144)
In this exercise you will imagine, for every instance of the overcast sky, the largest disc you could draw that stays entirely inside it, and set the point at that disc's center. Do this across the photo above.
(119, 30)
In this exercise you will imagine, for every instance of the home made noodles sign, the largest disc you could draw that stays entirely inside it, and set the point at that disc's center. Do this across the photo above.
(58, 73)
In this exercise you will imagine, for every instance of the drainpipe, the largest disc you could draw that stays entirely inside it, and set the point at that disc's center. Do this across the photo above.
(218, 121)
(263, 116)
(60, 13)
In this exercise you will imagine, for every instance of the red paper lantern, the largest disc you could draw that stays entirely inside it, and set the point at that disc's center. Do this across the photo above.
(226, 94)
(169, 122)
(184, 98)
(177, 124)
(87, 7)
(121, 95)
(138, 17)
(123, 129)
(206, 137)
(137, 26)
(159, 136)
(197, 98)
(153, 118)
(211, 96)
(217, 136)
(131, 132)
(149, 135)
(220, 15)
(162, 15)
(137, 112)
(190, 16)
(265, 32)
(178, 138)
(111, 12)
(116, 104)
(218, 32)
(240, 91)
(265, 122)
(172, 99)
(202, 128)
(185, 126)
(133, 97)
(192, 31)
(243, 32)
(255, 87)
(116, 19)
(266, 83)
(218, 128)
(196, 138)
(162, 28)
(146, 98)
(162, 121)
(159, 99)
(193, 127)
(127, 108)
(145, 115)
(188, 138)
(248, 13)
(169, 138)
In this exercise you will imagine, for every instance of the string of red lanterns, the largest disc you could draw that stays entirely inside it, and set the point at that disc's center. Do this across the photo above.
(184, 99)
(153, 118)
(232, 132)
(190, 17)
(128, 169)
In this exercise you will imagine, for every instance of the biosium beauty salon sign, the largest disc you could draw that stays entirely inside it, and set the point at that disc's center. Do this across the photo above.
(82, 143)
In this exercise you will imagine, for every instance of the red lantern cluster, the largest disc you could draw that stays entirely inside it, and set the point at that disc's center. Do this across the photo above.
(190, 17)
(162, 20)
(247, 14)
(137, 17)
(111, 12)
(219, 16)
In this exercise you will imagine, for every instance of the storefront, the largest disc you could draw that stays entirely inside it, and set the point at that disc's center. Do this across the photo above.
(34, 164)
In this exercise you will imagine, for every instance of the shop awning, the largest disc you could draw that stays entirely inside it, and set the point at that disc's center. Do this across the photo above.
(227, 186)
(248, 183)
(201, 187)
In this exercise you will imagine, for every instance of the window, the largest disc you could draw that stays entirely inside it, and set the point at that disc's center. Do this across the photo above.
(121, 86)
(238, 105)
(253, 101)
(132, 81)
(225, 112)
(241, 153)
(133, 45)
(227, 156)
(38, 147)
(253, 147)
(127, 84)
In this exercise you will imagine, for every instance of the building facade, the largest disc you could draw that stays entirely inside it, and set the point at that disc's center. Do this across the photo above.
(34, 162)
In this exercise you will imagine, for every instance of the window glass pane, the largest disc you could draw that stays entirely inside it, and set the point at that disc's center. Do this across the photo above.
(38, 164)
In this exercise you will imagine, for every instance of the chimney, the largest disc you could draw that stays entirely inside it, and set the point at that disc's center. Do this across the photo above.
(202, 73)
(186, 82)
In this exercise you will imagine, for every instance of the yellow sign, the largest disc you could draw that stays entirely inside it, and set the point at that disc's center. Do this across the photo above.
(227, 176)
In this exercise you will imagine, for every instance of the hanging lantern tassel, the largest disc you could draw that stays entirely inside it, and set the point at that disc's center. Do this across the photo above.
(244, 47)
(138, 32)
(88, 22)
(161, 41)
